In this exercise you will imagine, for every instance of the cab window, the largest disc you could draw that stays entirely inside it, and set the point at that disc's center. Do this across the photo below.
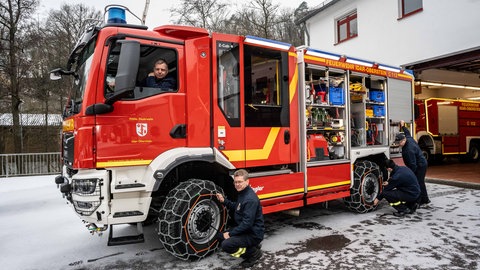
(157, 71)
(266, 87)
(228, 81)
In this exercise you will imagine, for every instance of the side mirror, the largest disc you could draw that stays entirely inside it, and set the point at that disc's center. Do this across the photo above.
(55, 74)
(127, 70)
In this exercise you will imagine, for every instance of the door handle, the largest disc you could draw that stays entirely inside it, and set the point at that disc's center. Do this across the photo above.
(286, 136)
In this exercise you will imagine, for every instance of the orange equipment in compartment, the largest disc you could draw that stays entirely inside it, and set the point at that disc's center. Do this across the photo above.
(317, 147)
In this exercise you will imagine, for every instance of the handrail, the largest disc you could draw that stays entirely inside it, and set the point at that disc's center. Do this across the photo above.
(30, 164)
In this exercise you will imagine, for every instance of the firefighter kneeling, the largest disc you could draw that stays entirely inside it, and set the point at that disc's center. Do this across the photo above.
(243, 240)
(401, 190)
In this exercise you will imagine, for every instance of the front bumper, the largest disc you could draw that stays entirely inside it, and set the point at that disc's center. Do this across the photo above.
(98, 198)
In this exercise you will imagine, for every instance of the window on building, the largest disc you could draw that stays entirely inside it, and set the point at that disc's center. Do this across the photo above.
(347, 27)
(409, 7)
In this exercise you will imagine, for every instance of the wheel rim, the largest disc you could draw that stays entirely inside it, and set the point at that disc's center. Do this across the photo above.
(370, 187)
(203, 221)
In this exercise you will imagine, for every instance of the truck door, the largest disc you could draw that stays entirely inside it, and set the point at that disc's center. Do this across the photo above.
(140, 126)
(268, 136)
(228, 127)
(252, 122)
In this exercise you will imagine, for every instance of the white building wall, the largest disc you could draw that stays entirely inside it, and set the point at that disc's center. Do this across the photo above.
(443, 27)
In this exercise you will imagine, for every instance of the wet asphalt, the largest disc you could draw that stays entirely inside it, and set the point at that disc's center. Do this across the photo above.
(40, 231)
(444, 235)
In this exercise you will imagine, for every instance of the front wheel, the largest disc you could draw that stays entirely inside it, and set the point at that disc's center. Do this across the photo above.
(366, 186)
(190, 218)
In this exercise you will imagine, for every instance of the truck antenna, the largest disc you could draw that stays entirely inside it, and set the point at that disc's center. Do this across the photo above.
(145, 11)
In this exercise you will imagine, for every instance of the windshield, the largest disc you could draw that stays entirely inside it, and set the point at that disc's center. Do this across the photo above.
(83, 66)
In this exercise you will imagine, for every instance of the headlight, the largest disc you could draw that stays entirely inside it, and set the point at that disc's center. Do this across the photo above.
(85, 186)
(86, 195)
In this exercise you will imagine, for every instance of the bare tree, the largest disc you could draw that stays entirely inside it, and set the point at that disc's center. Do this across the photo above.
(59, 35)
(208, 14)
(259, 17)
(299, 13)
(285, 29)
(15, 15)
(63, 27)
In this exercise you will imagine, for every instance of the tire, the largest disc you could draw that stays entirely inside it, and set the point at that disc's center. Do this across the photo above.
(366, 186)
(426, 154)
(190, 218)
(474, 152)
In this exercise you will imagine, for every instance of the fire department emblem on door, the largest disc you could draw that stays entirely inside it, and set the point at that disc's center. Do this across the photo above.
(142, 129)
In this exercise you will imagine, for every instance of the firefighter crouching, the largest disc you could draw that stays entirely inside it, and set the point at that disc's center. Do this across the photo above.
(401, 190)
(244, 239)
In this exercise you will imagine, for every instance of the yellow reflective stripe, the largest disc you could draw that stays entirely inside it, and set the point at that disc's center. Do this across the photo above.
(239, 252)
(281, 193)
(316, 58)
(298, 190)
(293, 85)
(336, 184)
(404, 76)
(122, 163)
(397, 203)
(254, 154)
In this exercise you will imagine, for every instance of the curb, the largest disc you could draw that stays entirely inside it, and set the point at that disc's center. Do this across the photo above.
(455, 183)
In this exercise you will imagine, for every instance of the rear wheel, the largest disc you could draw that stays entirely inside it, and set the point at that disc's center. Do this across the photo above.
(366, 186)
(474, 152)
(190, 218)
(426, 154)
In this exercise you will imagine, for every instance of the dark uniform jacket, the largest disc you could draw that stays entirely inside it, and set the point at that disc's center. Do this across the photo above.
(165, 83)
(412, 154)
(248, 214)
(402, 178)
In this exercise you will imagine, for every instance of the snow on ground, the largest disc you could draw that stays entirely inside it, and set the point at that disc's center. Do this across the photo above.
(41, 231)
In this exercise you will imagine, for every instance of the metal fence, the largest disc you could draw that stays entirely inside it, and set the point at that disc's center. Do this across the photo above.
(29, 164)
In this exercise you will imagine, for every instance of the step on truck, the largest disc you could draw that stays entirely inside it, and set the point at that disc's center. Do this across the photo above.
(309, 126)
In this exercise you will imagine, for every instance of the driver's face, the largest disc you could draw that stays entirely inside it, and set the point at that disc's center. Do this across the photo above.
(160, 71)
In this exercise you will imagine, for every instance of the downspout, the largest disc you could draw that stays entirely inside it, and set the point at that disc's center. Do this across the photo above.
(307, 34)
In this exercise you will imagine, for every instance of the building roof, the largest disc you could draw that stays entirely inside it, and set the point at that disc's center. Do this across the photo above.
(31, 119)
(467, 61)
(315, 10)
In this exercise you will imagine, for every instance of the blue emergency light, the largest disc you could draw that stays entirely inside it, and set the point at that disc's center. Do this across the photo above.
(116, 15)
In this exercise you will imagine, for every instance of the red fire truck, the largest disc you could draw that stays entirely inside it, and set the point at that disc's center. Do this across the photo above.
(448, 127)
(309, 126)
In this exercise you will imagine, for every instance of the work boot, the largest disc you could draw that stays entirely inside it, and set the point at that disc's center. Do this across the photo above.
(253, 259)
(413, 208)
(403, 212)
(424, 202)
